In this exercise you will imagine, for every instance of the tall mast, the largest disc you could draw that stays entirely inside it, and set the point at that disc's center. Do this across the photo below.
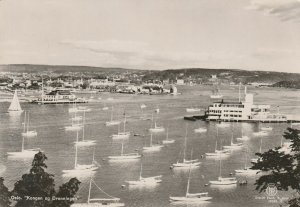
(83, 126)
(184, 143)
(141, 170)
(24, 122)
(111, 115)
(76, 151)
(124, 122)
(23, 143)
(151, 140)
(28, 121)
(261, 145)
(90, 187)
(188, 184)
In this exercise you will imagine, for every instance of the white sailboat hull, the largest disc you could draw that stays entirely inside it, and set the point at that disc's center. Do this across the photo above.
(125, 157)
(233, 146)
(187, 163)
(243, 138)
(200, 130)
(153, 148)
(157, 129)
(190, 199)
(105, 108)
(121, 135)
(29, 134)
(261, 133)
(216, 154)
(73, 110)
(145, 181)
(224, 181)
(247, 171)
(169, 141)
(112, 123)
(73, 127)
(85, 143)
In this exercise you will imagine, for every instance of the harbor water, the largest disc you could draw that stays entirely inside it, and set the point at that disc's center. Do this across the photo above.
(58, 144)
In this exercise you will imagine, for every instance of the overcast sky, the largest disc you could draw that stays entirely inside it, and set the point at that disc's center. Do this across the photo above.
(148, 34)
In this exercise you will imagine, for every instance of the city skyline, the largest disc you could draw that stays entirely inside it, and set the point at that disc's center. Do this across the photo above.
(235, 34)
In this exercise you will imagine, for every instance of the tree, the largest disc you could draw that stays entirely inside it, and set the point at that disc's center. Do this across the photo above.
(282, 169)
(4, 194)
(37, 188)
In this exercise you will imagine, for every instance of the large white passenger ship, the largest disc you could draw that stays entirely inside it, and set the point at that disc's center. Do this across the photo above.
(242, 111)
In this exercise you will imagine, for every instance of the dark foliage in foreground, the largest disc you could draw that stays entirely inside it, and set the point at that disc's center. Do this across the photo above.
(282, 169)
(37, 188)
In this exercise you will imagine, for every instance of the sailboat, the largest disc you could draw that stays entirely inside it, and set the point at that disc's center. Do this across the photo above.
(105, 108)
(261, 132)
(123, 156)
(15, 106)
(98, 202)
(80, 170)
(75, 126)
(247, 170)
(185, 162)
(167, 140)
(142, 106)
(156, 128)
(152, 147)
(243, 137)
(84, 142)
(218, 153)
(255, 160)
(200, 130)
(157, 110)
(27, 132)
(112, 122)
(145, 180)
(223, 180)
(24, 153)
(76, 118)
(121, 135)
(191, 197)
(232, 145)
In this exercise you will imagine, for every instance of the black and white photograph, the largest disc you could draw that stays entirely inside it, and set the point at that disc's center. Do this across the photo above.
(150, 103)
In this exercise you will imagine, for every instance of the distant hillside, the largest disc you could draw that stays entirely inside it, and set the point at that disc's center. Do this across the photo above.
(199, 75)
(287, 84)
(243, 76)
(58, 68)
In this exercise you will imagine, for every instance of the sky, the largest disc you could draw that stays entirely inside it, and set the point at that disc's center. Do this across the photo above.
(146, 34)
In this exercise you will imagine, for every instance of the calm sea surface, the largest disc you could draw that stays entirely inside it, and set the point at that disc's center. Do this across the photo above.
(50, 120)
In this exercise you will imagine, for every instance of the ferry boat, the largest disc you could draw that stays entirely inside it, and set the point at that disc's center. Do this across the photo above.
(59, 96)
(242, 111)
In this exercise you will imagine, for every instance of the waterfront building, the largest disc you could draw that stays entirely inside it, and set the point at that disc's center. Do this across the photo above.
(58, 96)
(242, 111)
